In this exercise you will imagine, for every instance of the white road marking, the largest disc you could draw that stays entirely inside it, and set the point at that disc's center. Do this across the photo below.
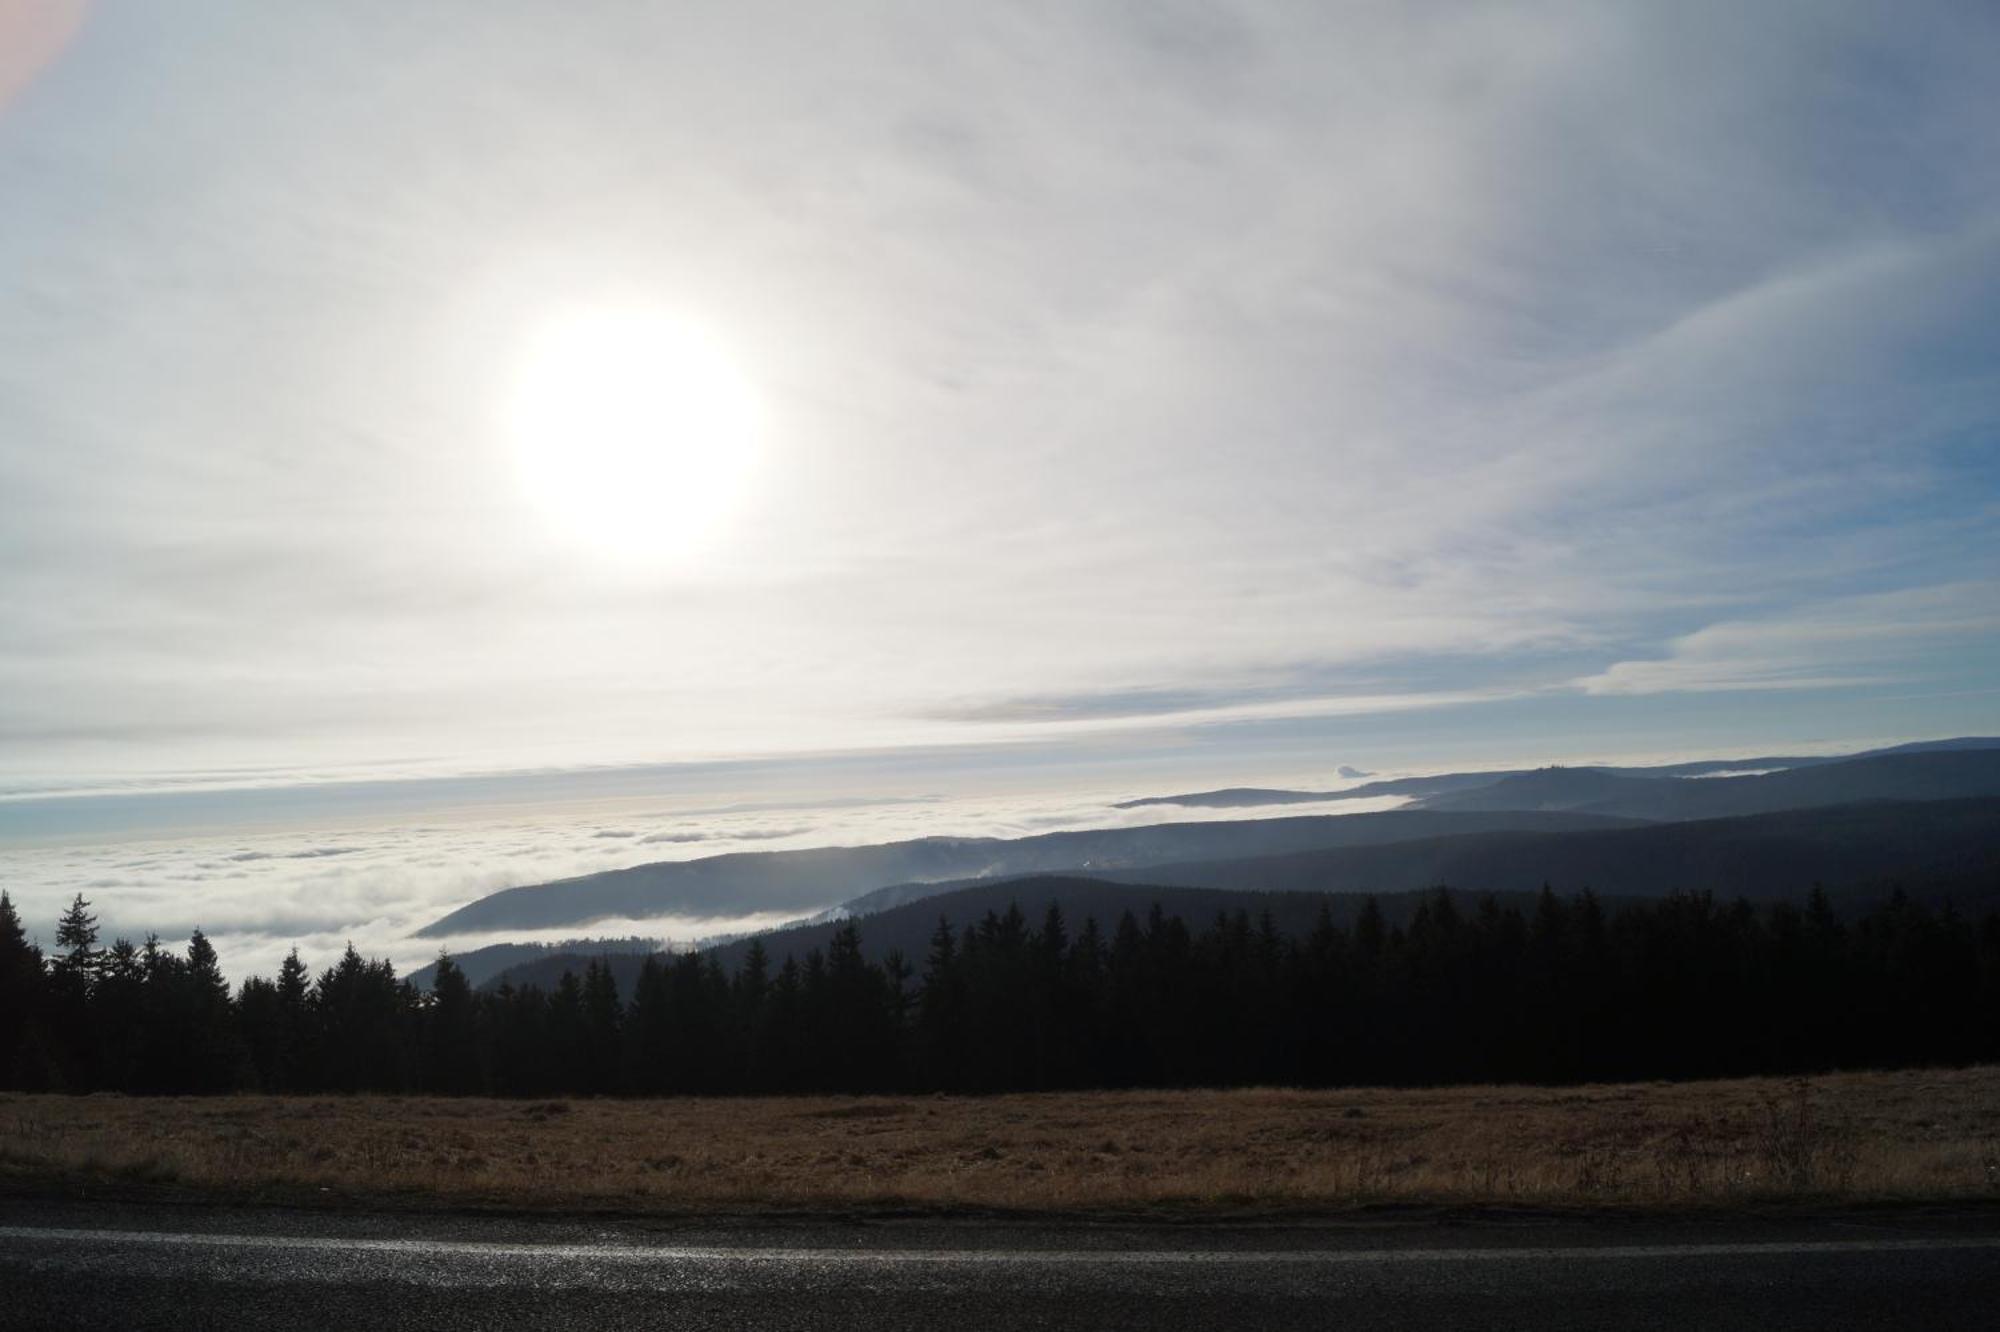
(725, 1254)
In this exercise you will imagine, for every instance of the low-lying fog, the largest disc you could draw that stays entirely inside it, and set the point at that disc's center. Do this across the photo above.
(258, 892)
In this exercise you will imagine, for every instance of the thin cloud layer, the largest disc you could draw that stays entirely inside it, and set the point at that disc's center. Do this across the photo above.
(1283, 372)
(1871, 638)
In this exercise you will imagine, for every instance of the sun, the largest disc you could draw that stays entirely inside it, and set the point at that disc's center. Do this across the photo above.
(633, 431)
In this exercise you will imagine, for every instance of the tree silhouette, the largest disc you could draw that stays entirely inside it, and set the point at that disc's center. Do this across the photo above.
(602, 1020)
(76, 941)
(23, 1056)
(72, 977)
(451, 1059)
(1547, 989)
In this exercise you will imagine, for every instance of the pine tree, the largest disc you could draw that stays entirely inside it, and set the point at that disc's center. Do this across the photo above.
(859, 1016)
(262, 1024)
(20, 1003)
(451, 1054)
(649, 1030)
(569, 1036)
(940, 1035)
(602, 1017)
(295, 1059)
(751, 995)
(362, 1031)
(72, 978)
(213, 1052)
(14, 946)
(76, 937)
(118, 1012)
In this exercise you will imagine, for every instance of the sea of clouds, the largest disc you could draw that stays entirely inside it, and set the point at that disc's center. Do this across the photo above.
(258, 893)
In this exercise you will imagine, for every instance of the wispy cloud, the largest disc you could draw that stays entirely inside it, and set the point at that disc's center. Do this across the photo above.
(1118, 359)
(1876, 639)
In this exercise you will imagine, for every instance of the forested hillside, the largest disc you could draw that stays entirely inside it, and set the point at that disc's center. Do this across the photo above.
(1546, 800)
(1936, 850)
(1909, 776)
(813, 879)
(908, 928)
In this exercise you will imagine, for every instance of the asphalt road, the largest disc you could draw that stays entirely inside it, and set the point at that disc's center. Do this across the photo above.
(82, 1265)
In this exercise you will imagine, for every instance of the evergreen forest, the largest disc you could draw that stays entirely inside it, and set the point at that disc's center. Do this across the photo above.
(1558, 992)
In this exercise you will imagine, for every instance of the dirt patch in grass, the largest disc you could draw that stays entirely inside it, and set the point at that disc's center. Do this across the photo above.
(1926, 1135)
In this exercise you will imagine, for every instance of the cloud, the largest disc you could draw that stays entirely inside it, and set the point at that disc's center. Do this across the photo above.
(1129, 369)
(401, 876)
(1873, 639)
(310, 853)
(1099, 705)
(687, 837)
(1149, 709)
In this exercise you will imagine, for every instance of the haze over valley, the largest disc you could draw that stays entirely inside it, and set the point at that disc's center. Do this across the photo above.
(440, 880)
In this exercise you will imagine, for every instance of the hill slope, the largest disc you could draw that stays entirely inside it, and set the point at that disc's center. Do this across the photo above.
(1936, 850)
(908, 928)
(1425, 789)
(1937, 774)
(815, 879)
(1932, 848)
(483, 964)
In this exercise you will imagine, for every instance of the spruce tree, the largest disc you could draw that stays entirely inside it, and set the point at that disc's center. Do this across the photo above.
(14, 946)
(72, 979)
(569, 1037)
(451, 1054)
(649, 1030)
(76, 939)
(214, 1051)
(294, 1064)
(20, 1001)
(751, 988)
(118, 1012)
(602, 1020)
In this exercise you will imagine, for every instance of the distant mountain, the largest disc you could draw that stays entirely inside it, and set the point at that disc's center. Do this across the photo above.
(807, 881)
(1552, 788)
(1941, 848)
(1933, 849)
(1426, 790)
(1237, 797)
(813, 879)
(1715, 767)
(1344, 830)
(1936, 746)
(1936, 851)
(1233, 797)
(483, 964)
(1927, 774)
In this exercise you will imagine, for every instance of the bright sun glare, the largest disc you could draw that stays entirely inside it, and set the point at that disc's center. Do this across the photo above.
(632, 430)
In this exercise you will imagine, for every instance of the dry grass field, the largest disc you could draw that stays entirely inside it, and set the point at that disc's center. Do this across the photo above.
(1847, 1137)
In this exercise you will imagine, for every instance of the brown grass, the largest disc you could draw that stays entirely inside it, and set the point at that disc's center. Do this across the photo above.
(1847, 1137)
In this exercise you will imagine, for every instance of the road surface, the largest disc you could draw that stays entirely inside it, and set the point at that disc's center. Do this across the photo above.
(103, 1266)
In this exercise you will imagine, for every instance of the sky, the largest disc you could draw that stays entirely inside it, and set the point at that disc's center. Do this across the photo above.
(1145, 394)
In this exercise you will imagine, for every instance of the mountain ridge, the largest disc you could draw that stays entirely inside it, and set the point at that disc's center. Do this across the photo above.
(1936, 851)
(815, 879)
